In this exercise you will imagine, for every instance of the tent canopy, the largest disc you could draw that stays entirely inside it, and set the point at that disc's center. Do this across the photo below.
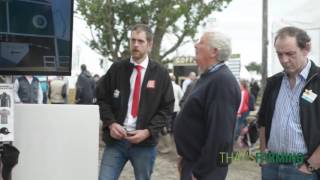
(306, 16)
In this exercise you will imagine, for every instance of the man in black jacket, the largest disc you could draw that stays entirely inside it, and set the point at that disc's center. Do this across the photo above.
(204, 127)
(135, 99)
(85, 87)
(289, 115)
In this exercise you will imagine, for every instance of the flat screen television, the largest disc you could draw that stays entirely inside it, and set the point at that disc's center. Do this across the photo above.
(36, 37)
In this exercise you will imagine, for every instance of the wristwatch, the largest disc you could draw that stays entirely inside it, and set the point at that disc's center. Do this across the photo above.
(309, 167)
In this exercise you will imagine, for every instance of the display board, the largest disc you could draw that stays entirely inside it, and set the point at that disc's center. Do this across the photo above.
(6, 112)
(56, 142)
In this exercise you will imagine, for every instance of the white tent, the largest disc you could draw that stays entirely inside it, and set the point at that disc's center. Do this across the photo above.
(244, 73)
(307, 17)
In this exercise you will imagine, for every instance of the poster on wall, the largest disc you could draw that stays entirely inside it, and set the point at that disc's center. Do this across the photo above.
(6, 112)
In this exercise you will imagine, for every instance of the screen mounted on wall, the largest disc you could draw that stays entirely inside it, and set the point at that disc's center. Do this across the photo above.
(36, 37)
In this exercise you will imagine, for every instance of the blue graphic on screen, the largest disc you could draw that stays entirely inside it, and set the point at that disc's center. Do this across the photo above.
(36, 36)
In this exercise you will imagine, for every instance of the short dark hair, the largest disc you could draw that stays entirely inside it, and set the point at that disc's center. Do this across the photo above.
(83, 67)
(301, 36)
(145, 28)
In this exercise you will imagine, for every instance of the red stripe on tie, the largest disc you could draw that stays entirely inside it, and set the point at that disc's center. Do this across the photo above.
(136, 92)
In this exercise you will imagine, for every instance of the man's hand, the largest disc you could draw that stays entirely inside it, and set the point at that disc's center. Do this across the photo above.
(179, 166)
(314, 159)
(193, 178)
(238, 115)
(304, 169)
(137, 136)
(117, 131)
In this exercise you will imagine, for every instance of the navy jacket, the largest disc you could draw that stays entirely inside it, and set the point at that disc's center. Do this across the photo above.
(204, 126)
(155, 105)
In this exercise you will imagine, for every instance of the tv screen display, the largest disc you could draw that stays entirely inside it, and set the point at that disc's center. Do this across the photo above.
(36, 37)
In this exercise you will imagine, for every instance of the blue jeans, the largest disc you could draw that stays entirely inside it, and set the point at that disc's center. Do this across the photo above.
(241, 122)
(284, 172)
(116, 155)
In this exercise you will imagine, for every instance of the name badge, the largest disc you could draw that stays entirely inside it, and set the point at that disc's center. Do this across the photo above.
(116, 93)
(151, 84)
(309, 96)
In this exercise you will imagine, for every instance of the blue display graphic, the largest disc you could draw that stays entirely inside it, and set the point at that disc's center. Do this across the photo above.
(36, 37)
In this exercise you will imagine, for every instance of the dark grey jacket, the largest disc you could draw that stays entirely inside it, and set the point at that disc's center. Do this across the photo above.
(28, 93)
(85, 88)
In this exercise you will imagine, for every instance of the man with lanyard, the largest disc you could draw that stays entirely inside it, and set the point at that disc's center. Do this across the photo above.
(289, 116)
(204, 127)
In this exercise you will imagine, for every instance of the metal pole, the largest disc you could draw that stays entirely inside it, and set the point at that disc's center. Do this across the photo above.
(264, 67)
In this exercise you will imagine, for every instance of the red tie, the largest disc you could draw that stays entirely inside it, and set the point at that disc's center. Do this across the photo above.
(136, 92)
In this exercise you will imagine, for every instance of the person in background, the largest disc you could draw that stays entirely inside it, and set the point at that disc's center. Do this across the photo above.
(135, 99)
(58, 91)
(28, 90)
(85, 87)
(44, 87)
(177, 91)
(204, 126)
(243, 111)
(165, 140)
(289, 116)
(96, 78)
(188, 92)
(254, 89)
(191, 77)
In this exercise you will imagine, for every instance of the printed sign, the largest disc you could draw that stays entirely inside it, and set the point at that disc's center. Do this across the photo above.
(6, 112)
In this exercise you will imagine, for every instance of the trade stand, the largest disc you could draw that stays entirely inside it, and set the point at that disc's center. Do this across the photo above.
(56, 142)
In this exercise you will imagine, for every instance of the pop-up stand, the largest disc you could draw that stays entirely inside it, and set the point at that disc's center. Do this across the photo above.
(56, 142)
(8, 153)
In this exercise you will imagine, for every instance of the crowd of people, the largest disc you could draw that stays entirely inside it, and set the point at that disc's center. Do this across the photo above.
(212, 110)
(138, 99)
(33, 90)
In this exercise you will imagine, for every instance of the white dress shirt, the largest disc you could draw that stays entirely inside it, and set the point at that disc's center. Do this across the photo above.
(131, 122)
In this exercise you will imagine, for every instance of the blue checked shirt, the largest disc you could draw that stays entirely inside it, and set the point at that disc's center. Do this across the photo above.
(286, 132)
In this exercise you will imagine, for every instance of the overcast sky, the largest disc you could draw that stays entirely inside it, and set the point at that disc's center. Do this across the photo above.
(241, 20)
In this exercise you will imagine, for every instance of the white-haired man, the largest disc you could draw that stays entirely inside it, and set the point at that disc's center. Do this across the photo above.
(204, 127)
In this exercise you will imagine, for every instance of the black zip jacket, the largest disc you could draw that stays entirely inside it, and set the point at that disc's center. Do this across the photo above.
(309, 112)
(155, 106)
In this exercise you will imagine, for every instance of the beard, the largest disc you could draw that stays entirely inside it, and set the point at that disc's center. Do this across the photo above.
(136, 54)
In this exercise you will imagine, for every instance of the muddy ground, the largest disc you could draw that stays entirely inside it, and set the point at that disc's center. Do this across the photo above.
(166, 168)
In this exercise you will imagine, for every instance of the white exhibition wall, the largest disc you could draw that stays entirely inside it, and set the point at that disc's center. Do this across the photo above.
(56, 142)
(305, 16)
